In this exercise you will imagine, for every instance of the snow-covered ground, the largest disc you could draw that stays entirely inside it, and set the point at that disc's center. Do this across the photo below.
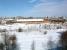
(40, 40)
(33, 36)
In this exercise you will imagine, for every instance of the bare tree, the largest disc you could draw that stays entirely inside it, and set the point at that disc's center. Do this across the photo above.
(33, 47)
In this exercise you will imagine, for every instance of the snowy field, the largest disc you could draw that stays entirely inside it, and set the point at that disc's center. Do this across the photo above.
(34, 36)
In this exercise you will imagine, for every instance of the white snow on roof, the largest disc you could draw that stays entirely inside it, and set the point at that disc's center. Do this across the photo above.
(29, 19)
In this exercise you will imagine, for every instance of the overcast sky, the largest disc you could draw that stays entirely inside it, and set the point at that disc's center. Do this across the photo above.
(36, 8)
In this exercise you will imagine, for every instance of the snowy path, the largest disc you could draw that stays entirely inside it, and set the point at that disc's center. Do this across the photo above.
(25, 40)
